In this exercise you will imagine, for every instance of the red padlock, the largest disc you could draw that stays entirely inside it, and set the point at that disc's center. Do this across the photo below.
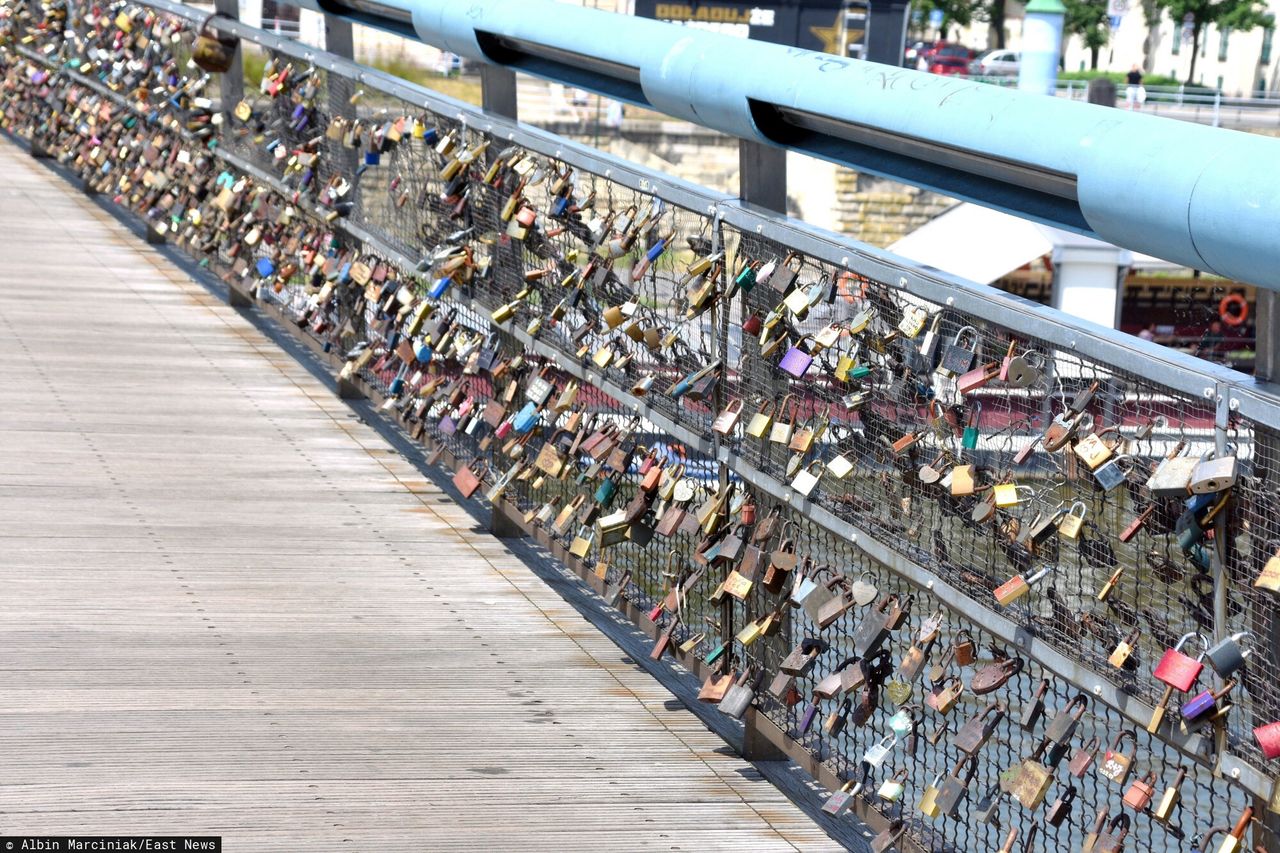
(1176, 669)
(1268, 737)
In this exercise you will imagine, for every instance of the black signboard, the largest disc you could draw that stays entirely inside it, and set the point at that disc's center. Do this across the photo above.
(811, 24)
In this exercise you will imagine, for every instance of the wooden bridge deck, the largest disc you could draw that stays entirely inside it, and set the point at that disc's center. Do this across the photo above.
(229, 607)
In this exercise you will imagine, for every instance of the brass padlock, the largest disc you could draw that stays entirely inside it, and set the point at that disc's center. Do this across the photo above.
(1169, 801)
(1073, 521)
(1124, 649)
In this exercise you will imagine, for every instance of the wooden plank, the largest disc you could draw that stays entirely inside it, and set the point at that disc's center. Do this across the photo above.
(231, 608)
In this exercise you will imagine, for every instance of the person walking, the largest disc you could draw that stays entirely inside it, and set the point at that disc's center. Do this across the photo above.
(1134, 93)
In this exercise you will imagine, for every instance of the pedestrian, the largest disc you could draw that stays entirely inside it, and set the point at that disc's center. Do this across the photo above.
(1148, 333)
(1134, 93)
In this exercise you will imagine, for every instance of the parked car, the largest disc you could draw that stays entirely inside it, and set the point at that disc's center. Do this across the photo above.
(943, 57)
(994, 63)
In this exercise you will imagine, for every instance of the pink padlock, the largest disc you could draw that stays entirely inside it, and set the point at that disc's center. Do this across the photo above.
(1268, 737)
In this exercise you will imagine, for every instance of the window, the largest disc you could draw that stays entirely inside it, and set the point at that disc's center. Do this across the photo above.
(1267, 35)
(1222, 43)
(1177, 39)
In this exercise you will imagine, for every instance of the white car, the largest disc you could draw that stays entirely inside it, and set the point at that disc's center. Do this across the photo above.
(994, 63)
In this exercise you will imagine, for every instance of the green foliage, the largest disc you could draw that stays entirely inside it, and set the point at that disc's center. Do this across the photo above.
(1088, 20)
(1118, 77)
(1239, 15)
(954, 12)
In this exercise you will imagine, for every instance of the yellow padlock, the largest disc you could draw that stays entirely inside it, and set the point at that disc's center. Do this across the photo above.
(1008, 494)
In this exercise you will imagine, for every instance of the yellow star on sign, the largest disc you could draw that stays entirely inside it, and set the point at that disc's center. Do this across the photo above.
(829, 36)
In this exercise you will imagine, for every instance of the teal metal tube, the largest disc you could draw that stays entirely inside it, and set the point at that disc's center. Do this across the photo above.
(1204, 197)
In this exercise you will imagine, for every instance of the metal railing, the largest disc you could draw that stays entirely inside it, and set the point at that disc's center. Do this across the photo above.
(886, 516)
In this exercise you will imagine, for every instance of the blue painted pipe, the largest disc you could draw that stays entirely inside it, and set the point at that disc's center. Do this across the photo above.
(1200, 196)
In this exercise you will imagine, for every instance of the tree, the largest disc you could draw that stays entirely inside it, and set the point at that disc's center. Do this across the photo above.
(954, 13)
(1238, 15)
(1088, 19)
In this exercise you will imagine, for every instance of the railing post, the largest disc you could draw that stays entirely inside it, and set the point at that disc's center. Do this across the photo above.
(762, 175)
(1217, 106)
(231, 84)
(498, 90)
(1267, 446)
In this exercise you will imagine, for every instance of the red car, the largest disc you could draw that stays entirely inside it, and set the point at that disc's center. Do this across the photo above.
(945, 58)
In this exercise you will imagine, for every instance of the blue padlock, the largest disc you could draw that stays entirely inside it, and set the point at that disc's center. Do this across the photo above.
(1205, 702)
(265, 267)
(440, 287)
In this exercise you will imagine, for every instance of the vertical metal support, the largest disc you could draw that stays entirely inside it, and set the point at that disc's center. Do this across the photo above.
(498, 90)
(1267, 447)
(338, 40)
(231, 84)
(762, 175)
(887, 31)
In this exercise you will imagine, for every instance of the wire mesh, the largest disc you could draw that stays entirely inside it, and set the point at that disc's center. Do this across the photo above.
(927, 427)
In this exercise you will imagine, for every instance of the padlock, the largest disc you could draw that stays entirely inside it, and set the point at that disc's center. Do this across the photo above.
(1178, 672)
(1140, 792)
(1042, 528)
(1018, 586)
(977, 730)
(1206, 839)
(1060, 431)
(1112, 840)
(1034, 710)
(879, 751)
(1124, 649)
(891, 789)
(889, 837)
(956, 358)
(913, 319)
(966, 649)
(1268, 737)
(1061, 807)
(1213, 474)
(976, 378)
(840, 801)
(1115, 765)
(1111, 474)
(1269, 577)
(1084, 397)
(1011, 494)
(945, 697)
(1110, 586)
(1092, 450)
(1063, 725)
(1226, 657)
(969, 440)
(986, 809)
(929, 343)
(952, 791)
(1023, 371)
(1233, 839)
(1099, 823)
(928, 803)
(1032, 781)
(1073, 521)
(1169, 800)
(1172, 477)
(1203, 703)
